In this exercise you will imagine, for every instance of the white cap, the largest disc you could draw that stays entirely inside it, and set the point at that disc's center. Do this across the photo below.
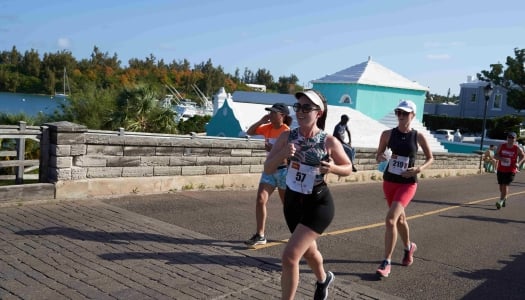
(312, 96)
(407, 106)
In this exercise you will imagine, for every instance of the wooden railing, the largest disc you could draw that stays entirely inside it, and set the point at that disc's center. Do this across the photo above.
(16, 158)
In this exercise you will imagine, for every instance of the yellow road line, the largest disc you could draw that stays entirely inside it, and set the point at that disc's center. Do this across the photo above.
(342, 231)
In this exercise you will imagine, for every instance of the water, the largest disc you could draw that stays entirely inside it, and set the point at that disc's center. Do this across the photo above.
(31, 105)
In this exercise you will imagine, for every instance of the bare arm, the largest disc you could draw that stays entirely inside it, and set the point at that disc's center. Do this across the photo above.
(521, 156)
(496, 154)
(339, 162)
(429, 157)
(383, 142)
(265, 119)
(281, 150)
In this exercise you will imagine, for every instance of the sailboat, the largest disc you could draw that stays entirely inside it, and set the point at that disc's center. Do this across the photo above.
(66, 86)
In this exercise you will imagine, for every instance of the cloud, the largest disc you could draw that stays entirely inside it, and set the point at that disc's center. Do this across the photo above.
(438, 56)
(64, 43)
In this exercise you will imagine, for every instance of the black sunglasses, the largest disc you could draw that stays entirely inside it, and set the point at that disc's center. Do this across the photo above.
(305, 108)
(400, 112)
(510, 137)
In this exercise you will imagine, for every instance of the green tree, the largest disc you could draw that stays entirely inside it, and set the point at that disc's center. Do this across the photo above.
(512, 78)
(138, 110)
(194, 124)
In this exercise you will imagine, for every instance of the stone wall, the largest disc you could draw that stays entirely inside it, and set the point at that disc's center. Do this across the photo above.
(86, 163)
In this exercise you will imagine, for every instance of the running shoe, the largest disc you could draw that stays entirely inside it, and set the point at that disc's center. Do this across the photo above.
(503, 204)
(408, 258)
(256, 239)
(499, 204)
(384, 269)
(321, 289)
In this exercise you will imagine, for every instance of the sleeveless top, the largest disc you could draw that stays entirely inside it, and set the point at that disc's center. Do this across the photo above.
(508, 158)
(310, 151)
(404, 153)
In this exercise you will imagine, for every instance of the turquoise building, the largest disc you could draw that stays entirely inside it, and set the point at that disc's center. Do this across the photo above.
(372, 89)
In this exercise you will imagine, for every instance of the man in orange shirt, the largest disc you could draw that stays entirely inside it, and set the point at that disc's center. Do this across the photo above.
(270, 126)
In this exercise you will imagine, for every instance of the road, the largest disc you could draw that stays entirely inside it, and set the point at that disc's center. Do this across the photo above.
(466, 248)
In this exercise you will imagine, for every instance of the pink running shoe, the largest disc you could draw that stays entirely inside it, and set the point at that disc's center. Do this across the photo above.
(408, 259)
(384, 269)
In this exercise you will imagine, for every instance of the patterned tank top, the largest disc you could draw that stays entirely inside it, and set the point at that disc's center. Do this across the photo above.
(310, 151)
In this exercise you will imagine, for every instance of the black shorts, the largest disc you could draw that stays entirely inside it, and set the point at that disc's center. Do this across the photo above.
(314, 211)
(505, 177)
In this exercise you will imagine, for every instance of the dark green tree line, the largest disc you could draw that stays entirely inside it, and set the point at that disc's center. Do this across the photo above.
(512, 78)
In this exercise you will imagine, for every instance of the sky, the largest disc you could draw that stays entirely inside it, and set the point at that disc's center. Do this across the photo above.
(436, 43)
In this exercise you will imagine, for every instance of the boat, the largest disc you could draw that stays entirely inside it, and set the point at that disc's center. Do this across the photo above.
(186, 108)
(65, 85)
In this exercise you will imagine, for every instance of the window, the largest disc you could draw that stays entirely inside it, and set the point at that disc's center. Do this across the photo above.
(473, 98)
(346, 99)
(497, 102)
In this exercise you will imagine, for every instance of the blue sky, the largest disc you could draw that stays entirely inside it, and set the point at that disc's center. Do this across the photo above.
(436, 43)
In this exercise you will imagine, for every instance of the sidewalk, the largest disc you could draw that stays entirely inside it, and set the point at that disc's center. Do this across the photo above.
(91, 250)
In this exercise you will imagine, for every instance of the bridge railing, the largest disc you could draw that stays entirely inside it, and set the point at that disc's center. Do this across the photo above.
(16, 158)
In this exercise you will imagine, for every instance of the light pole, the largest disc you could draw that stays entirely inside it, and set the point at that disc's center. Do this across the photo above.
(487, 91)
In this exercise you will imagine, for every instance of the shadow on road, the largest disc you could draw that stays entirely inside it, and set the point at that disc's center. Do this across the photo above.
(506, 283)
(486, 219)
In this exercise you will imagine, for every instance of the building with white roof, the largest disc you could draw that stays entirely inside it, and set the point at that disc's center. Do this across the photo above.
(237, 112)
(371, 89)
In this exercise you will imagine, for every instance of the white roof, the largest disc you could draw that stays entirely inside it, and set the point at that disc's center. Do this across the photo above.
(365, 130)
(371, 73)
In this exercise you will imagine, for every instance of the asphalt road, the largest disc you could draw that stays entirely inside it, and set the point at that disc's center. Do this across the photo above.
(466, 248)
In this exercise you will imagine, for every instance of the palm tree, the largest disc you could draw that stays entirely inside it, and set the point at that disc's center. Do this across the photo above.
(138, 110)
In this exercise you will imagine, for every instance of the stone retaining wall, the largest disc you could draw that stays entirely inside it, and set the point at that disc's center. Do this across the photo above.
(85, 163)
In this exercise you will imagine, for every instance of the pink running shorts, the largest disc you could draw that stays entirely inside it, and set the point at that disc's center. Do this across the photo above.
(399, 192)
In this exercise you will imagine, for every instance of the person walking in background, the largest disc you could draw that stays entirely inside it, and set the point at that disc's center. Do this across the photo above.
(490, 162)
(509, 156)
(342, 133)
(308, 204)
(270, 126)
(400, 180)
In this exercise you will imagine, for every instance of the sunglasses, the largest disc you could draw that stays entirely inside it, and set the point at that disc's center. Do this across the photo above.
(400, 112)
(510, 137)
(305, 108)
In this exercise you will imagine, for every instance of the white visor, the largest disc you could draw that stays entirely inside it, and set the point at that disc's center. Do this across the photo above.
(312, 96)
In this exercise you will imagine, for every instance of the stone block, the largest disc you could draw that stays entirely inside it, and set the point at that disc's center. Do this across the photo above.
(228, 160)
(239, 169)
(112, 172)
(61, 174)
(241, 152)
(104, 150)
(196, 151)
(183, 161)
(167, 171)
(78, 173)
(256, 168)
(79, 149)
(137, 172)
(60, 150)
(89, 161)
(154, 161)
(169, 151)
(61, 162)
(139, 151)
(252, 160)
(123, 161)
(212, 170)
(193, 170)
(207, 160)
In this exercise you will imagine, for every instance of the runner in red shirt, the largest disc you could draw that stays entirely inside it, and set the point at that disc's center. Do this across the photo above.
(509, 156)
